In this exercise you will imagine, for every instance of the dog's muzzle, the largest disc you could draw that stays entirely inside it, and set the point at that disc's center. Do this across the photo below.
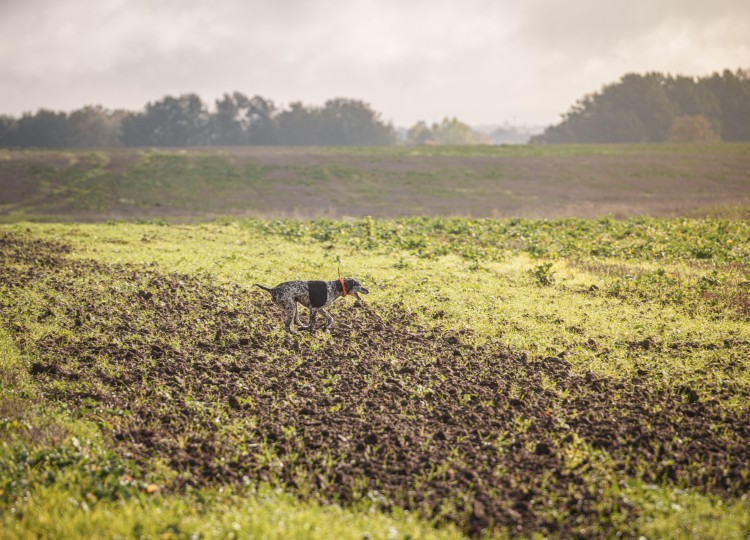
(359, 290)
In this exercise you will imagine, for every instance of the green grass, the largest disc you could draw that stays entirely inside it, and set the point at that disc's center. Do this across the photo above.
(663, 299)
(555, 180)
(77, 490)
(552, 150)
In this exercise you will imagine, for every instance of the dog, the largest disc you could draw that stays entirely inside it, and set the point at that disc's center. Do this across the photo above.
(314, 295)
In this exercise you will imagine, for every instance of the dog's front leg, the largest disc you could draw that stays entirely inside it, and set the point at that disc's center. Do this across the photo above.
(313, 313)
(290, 308)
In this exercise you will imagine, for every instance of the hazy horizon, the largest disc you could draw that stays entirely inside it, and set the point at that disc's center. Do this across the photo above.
(485, 62)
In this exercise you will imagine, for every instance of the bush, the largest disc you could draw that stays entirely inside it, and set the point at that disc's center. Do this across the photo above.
(692, 129)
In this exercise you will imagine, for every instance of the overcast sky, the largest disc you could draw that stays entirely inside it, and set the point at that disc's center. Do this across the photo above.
(484, 61)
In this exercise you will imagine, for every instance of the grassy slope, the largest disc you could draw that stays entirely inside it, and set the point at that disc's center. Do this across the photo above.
(474, 181)
(680, 286)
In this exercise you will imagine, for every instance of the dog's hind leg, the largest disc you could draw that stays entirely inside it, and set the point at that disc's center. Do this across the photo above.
(297, 322)
(290, 308)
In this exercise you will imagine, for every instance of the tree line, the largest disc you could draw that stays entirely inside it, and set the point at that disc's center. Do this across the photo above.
(655, 108)
(638, 108)
(235, 120)
(185, 120)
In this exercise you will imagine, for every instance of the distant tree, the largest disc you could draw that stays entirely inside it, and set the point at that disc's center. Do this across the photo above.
(447, 131)
(419, 133)
(299, 125)
(340, 122)
(636, 109)
(239, 120)
(453, 131)
(693, 97)
(173, 121)
(137, 129)
(260, 121)
(45, 129)
(8, 130)
(228, 124)
(94, 127)
(732, 91)
(642, 108)
(692, 129)
(351, 122)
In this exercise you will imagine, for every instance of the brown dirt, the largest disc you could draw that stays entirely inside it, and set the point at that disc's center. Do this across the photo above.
(195, 372)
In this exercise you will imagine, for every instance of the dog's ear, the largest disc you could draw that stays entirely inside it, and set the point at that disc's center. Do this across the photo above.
(350, 283)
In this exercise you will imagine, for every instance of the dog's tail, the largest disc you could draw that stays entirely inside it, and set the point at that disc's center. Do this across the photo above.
(264, 288)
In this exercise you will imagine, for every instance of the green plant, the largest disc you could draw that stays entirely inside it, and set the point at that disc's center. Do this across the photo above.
(544, 274)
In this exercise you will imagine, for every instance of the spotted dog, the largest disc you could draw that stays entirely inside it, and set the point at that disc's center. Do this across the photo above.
(314, 295)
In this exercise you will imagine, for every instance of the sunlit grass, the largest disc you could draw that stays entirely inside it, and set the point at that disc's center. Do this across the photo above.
(494, 300)
(675, 319)
(267, 513)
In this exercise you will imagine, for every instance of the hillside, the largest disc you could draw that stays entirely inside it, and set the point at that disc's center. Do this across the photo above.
(559, 181)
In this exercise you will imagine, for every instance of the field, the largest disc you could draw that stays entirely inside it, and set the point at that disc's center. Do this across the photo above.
(514, 181)
(512, 377)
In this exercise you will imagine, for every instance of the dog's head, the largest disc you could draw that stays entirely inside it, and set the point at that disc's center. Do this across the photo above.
(354, 287)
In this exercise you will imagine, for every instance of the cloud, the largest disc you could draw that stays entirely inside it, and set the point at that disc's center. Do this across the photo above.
(481, 60)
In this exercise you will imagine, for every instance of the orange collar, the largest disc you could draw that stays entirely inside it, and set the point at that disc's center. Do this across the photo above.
(343, 287)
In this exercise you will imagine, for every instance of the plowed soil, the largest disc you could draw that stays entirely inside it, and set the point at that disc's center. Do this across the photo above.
(199, 374)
